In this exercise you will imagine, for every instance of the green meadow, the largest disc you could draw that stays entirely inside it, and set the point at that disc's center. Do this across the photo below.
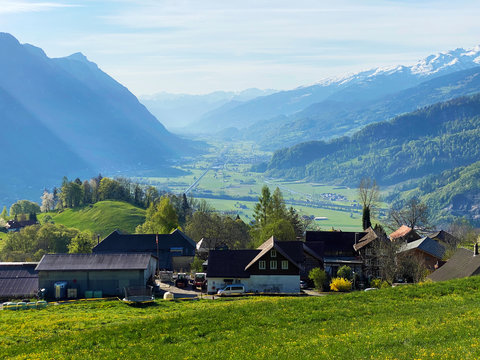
(427, 321)
(101, 218)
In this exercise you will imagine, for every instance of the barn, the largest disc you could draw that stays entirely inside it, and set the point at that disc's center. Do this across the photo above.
(18, 280)
(104, 274)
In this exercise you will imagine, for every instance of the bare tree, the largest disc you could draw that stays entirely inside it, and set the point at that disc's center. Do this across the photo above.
(413, 213)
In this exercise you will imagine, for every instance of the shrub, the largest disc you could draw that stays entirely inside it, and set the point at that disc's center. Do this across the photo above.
(345, 272)
(379, 284)
(340, 284)
(318, 276)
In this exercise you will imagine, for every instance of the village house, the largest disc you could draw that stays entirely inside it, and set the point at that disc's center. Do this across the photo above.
(404, 234)
(338, 249)
(175, 251)
(463, 263)
(424, 250)
(275, 266)
(17, 225)
(89, 274)
(370, 249)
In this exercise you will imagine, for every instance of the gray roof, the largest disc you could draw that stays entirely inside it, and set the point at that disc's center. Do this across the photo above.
(72, 262)
(462, 264)
(425, 244)
(18, 280)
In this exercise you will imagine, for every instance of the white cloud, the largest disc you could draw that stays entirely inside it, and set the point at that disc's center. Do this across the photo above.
(12, 7)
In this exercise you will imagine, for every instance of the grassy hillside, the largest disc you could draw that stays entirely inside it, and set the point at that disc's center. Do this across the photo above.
(430, 321)
(102, 218)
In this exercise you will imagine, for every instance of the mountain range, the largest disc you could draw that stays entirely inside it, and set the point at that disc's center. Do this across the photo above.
(288, 117)
(183, 112)
(65, 116)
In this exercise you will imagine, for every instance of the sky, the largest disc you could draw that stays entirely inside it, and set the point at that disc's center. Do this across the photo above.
(200, 46)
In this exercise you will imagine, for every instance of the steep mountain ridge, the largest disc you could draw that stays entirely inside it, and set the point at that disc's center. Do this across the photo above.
(92, 123)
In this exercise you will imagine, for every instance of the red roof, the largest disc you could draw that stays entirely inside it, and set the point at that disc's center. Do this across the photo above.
(400, 232)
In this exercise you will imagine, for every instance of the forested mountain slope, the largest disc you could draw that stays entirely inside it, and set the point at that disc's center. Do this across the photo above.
(433, 139)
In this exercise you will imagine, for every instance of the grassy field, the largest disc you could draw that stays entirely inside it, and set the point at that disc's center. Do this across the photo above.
(430, 321)
(102, 217)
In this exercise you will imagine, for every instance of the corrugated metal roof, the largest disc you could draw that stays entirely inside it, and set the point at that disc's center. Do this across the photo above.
(425, 244)
(18, 280)
(71, 262)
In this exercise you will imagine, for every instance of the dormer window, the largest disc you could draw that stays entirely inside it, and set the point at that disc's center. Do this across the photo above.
(273, 253)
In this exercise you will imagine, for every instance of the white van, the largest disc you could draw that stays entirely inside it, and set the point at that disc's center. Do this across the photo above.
(233, 289)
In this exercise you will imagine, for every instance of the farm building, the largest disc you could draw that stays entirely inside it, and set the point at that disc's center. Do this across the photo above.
(105, 273)
(275, 266)
(404, 233)
(18, 280)
(174, 251)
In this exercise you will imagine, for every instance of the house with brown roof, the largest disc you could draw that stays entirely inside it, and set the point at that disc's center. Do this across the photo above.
(275, 266)
(463, 263)
(405, 234)
(370, 249)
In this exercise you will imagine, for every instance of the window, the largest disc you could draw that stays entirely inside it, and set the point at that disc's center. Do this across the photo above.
(284, 264)
(273, 264)
(262, 265)
(368, 251)
(273, 253)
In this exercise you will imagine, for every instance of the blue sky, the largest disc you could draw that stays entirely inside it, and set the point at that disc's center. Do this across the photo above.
(199, 46)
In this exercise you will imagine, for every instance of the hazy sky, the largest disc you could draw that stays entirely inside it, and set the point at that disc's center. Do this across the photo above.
(198, 46)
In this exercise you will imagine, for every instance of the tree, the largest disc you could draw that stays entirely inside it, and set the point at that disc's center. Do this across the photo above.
(263, 209)
(345, 272)
(83, 243)
(413, 213)
(318, 276)
(273, 219)
(48, 203)
(369, 196)
(24, 207)
(4, 214)
(161, 218)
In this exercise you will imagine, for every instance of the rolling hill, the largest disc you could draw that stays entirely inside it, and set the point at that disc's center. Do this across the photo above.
(101, 218)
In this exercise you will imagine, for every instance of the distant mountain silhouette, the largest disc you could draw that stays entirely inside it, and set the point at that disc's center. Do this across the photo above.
(67, 117)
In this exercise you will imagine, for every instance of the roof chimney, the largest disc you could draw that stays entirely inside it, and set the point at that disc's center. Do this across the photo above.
(475, 249)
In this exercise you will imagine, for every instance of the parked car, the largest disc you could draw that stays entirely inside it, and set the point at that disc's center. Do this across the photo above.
(234, 289)
(182, 280)
(303, 284)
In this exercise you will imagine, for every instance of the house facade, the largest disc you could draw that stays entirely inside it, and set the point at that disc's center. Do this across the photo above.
(338, 249)
(273, 267)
